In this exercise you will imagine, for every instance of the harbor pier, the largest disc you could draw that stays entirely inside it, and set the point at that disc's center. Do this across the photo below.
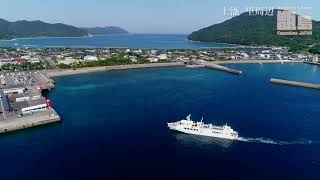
(22, 105)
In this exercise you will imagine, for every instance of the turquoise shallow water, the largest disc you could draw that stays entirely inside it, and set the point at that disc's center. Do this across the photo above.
(147, 41)
(114, 127)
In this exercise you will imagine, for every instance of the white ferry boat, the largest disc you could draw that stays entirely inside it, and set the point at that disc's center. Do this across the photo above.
(199, 128)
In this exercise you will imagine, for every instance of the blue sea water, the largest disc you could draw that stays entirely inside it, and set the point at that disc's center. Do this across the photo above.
(146, 41)
(114, 127)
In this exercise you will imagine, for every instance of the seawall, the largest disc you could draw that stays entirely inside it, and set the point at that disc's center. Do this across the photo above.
(244, 61)
(27, 122)
(312, 63)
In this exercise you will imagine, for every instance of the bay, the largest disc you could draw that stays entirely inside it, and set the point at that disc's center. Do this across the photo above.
(145, 41)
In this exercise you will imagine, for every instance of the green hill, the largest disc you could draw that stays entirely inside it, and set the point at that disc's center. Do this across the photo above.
(23, 29)
(255, 30)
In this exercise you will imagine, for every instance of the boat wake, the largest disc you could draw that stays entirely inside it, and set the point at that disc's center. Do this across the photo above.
(271, 141)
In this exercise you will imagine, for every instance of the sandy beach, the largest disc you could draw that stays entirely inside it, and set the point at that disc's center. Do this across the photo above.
(65, 72)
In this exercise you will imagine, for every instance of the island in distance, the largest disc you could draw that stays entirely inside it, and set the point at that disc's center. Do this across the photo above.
(34, 29)
(107, 30)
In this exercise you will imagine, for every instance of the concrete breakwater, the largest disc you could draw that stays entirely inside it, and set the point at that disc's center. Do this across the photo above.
(295, 83)
(223, 68)
(195, 66)
(312, 63)
(250, 61)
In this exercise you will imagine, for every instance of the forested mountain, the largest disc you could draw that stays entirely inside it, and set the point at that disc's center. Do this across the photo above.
(255, 30)
(22, 29)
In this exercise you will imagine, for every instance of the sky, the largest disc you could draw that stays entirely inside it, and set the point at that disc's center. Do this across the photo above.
(139, 16)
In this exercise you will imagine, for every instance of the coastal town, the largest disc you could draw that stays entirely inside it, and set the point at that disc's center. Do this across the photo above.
(50, 58)
(27, 72)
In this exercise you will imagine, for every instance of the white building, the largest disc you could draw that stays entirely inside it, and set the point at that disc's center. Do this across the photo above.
(36, 108)
(262, 56)
(279, 56)
(203, 52)
(153, 51)
(27, 98)
(90, 58)
(153, 59)
(133, 58)
(138, 51)
(244, 55)
(68, 58)
(14, 91)
(315, 58)
(162, 57)
(200, 61)
(233, 57)
(35, 59)
(25, 57)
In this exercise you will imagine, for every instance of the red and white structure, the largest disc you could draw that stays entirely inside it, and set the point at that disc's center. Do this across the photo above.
(37, 108)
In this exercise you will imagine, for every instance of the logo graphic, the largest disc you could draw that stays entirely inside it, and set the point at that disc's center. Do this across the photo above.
(289, 23)
(260, 11)
(231, 11)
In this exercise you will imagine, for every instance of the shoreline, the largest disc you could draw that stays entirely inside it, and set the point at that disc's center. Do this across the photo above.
(63, 37)
(66, 72)
(85, 70)
(46, 37)
(231, 45)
